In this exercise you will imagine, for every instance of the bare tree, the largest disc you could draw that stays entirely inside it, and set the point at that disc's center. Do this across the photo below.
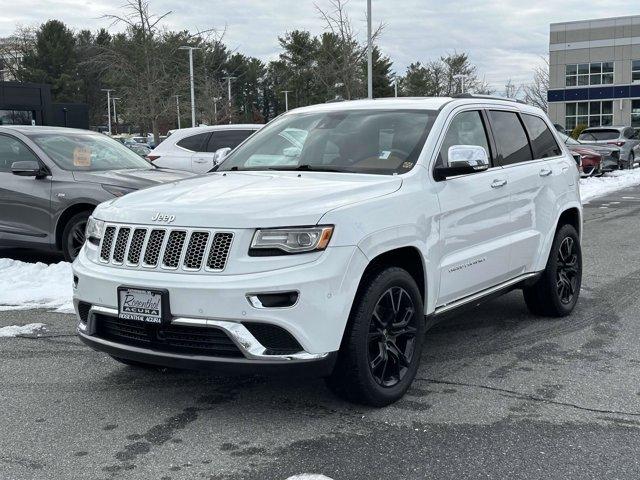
(535, 93)
(14, 48)
(342, 63)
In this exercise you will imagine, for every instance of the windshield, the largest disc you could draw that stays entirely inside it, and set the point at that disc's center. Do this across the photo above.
(88, 152)
(598, 135)
(356, 141)
(568, 140)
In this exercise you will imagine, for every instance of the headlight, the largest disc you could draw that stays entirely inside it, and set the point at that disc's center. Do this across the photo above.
(94, 231)
(280, 241)
(118, 191)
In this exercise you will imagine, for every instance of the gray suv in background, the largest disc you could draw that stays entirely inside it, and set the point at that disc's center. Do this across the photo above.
(51, 179)
(625, 138)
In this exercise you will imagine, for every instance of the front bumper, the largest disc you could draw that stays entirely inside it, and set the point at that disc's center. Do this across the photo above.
(317, 321)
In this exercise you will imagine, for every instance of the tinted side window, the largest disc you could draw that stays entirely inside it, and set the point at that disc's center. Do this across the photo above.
(13, 150)
(542, 140)
(511, 140)
(227, 139)
(467, 128)
(195, 143)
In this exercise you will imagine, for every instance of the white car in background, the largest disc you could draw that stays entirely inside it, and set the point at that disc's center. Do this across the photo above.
(199, 149)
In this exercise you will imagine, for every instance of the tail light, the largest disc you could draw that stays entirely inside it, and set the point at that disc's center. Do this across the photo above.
(153, 158)
(617, 144)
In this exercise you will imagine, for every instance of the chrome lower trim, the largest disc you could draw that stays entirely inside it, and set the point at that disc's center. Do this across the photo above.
(250, 347)
(477, 296)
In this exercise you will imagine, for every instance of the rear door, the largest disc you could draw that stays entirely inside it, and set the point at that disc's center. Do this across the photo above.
(538, 177)
(203, 161)
(24, 201)
(182, 155)
(474, 217)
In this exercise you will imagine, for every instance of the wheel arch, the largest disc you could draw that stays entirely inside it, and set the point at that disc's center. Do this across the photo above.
(571, 216)
(66, 215)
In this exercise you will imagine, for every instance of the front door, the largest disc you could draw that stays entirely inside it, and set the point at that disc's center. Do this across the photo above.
(474, 218)
(24, 201)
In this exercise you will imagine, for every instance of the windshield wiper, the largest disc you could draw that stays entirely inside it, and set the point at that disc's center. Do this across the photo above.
(312, 168)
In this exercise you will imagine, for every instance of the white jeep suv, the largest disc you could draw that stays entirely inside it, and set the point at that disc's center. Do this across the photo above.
(335, 237)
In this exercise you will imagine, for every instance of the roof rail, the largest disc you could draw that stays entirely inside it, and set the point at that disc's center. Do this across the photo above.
(488, 97)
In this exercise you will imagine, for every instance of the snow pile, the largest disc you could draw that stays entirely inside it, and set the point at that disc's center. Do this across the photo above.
(309, 476)
(617, 180)
(35, 285)
(15, 330)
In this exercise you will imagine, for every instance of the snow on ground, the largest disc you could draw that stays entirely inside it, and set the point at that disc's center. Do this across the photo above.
(593, 187)
(35, 285)
(15, 330)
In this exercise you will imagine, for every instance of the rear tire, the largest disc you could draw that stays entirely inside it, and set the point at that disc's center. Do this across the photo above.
(382, 344)
(73, 235)
(556, 292)
(632, 160)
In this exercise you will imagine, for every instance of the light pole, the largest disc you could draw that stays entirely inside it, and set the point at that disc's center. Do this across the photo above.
(228, 79)
(369, 53)
(178, 109)
(461, 78)
(108, 90)
(193, 96)
(115, 115)
(215, 109)
(395, 86)
(286, 99)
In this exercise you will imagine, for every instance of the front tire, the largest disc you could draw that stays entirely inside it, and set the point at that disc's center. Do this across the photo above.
(73, 235)
(556, 292)
(382, 345)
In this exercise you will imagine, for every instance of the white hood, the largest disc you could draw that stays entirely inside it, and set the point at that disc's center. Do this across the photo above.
(248, 199)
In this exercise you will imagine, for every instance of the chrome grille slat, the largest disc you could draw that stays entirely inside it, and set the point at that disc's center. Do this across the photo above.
(192, 250)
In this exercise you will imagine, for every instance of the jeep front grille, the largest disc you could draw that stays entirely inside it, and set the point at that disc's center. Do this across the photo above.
(165, 248)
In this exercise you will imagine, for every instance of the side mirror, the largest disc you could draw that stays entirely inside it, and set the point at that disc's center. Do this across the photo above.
(220, 155)
(27, 168)
(463, 159)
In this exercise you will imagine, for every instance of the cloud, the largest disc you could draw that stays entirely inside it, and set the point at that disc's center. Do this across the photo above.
(505, 39)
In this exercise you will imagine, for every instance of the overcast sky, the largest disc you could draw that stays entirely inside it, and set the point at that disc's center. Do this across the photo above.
(505, 39)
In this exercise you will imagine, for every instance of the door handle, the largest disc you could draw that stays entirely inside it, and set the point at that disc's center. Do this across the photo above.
(201, 160)
(497, 183)
(545, 172)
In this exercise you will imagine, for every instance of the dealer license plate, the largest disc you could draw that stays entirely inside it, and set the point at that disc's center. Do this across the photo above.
(140, 304)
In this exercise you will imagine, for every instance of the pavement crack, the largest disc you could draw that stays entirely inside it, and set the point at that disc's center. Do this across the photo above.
(527, 396)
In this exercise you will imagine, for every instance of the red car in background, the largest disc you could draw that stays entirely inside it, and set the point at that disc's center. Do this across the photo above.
(590, 161)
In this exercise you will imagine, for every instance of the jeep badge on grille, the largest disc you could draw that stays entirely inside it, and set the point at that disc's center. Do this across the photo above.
(160, 217)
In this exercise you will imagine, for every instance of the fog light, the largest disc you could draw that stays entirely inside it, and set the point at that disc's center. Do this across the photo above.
(273, 300)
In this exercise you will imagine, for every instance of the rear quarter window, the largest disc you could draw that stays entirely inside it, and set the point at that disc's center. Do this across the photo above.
(194, 143)
(543, 142)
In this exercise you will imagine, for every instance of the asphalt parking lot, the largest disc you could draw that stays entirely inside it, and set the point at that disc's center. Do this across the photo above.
(500, 394)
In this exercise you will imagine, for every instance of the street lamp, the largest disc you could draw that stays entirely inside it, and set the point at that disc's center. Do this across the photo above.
(369, 53)
(229, 79)
(286, 99)
(108, 90)
(215, 109)
(178, 109)
(193, 98)
(460, 77)
(115, 115)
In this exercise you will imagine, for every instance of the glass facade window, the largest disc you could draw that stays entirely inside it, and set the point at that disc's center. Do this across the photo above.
(584, 74)
(590, 114)
(635, 113)
(16, 117)
(635, 71)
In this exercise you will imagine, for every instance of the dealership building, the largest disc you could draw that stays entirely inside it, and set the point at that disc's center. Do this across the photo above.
(594, 72)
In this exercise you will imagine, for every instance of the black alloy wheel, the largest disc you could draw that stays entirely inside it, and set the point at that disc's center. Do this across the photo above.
(73, 236)
(567, 271)
(392, 336)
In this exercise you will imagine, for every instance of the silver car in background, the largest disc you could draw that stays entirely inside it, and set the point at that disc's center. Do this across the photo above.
(625, 138)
